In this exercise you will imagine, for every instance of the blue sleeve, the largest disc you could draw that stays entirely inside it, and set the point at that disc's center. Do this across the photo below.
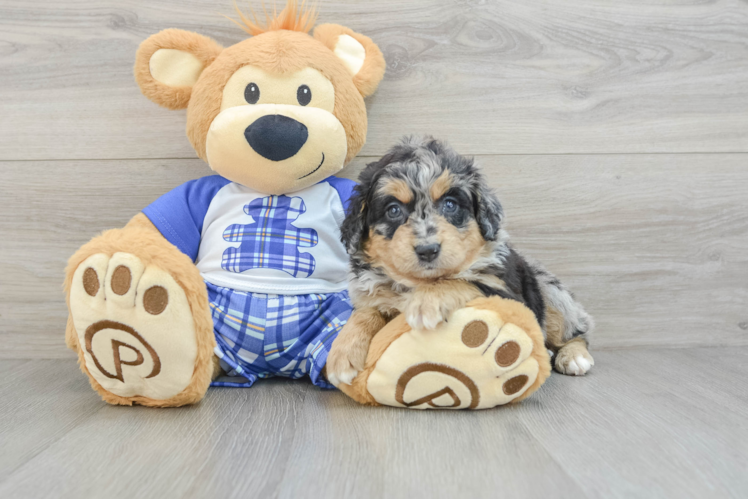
(344, 187)
(179, 214)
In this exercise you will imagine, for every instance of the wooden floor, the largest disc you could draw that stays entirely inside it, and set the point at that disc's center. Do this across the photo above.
(645, 423)
(616, 135)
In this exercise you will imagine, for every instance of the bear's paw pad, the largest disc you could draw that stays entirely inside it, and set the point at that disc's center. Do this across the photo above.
(134, 325)
(474, 361)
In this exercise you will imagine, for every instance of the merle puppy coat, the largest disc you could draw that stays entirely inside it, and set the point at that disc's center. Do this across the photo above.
(424, 234)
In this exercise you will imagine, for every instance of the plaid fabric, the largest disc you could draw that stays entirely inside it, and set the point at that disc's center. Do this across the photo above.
(261, 335)
(271, 241)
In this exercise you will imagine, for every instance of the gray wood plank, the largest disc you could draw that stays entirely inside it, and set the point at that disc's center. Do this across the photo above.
(232, 439)
(645, 423)
(494, 77)
(638, 426)
(40, 402)
(655, 246)
(344, 450)
(49, 211)
(651, 423)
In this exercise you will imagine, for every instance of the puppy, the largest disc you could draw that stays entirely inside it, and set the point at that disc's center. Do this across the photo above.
(424, 236)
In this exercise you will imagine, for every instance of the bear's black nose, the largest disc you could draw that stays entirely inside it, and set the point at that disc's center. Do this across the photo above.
(276, 137)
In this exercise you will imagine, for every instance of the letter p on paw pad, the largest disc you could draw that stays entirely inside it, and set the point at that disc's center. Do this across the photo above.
(135, 327)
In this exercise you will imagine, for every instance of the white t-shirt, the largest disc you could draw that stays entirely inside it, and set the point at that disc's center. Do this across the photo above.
(254, 242)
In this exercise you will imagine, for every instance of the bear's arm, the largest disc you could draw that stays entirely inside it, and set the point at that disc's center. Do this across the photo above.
(179, 214)
(344, 188)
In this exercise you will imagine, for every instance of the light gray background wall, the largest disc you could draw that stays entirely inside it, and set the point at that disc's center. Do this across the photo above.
(615, 133)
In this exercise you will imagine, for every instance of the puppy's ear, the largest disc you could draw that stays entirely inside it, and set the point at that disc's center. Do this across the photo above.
(488, 210)
(354, 227)
(169, 63)
(359, 54)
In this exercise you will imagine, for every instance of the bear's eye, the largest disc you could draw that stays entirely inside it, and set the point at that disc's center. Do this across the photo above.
(252, 93)
(304, 95)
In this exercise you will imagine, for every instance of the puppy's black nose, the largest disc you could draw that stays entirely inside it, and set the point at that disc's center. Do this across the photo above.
(276, 137)
(427, 253)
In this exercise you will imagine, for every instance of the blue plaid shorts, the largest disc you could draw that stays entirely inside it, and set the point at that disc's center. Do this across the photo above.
(260, 335)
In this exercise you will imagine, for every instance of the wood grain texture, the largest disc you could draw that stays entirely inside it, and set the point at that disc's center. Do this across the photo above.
(233, 439)
(506, 76)
(645, 423)
(655, 246)
(41, 403)
(650, 423)
(563, 102)
(382, 452)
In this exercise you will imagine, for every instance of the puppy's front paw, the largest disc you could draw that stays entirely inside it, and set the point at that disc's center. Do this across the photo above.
(347, 357)
(423, 314)
(574, 359)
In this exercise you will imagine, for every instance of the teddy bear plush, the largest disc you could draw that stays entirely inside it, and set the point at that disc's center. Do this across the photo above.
(242, 275)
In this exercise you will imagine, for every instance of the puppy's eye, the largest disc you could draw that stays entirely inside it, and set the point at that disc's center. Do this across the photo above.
(252, 93)
(449, 206)
(304, 95)
(394, 212)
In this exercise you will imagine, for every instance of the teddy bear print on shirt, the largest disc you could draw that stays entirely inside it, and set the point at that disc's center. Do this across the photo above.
(271, 241)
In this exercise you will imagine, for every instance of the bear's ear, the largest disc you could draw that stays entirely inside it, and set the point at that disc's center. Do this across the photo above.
(169, 63)
(359, 54)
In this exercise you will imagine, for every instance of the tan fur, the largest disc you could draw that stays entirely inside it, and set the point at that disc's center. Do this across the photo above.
(441, 185)
(217, 370)
(352, 343)
(395, 255)
(202, 47)
(278, 52)
(459, 249)
(140, 238)
(71, 336)
(381, 341)
(554, 328)
(511, 312)
(141, 221)
(434, 295)
(293, 17)
(397, 188)
(371, 73)
(565, 351)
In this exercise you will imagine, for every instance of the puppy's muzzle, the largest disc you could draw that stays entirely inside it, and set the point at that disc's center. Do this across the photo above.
(428, 253)
(276, 137)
